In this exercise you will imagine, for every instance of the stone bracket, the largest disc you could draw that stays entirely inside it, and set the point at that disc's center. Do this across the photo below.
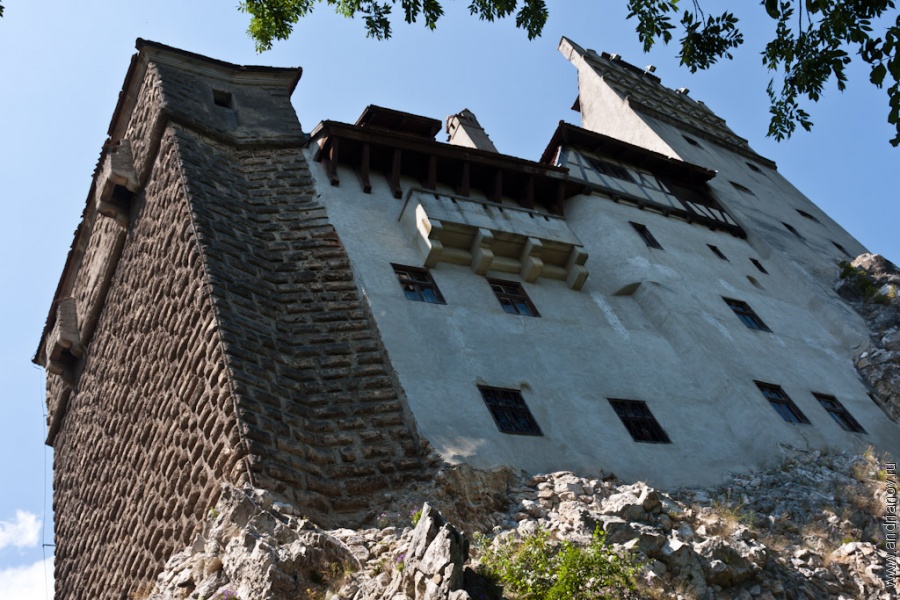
(117, 183)
(63, 346)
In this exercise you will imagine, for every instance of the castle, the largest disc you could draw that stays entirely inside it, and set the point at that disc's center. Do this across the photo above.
(329, 315)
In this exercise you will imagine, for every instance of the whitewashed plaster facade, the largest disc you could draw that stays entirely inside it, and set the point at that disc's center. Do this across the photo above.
(618, 319)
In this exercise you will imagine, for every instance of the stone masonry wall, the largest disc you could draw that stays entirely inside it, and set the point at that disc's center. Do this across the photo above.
(316, 401)
(150, 431)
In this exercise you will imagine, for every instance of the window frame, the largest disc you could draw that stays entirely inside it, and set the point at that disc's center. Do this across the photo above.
(416, 290)
(512, 295)
(746, 314)
(639, 421)
(646, 236)
(839, 413)
(782, 403)
(509, 411)
(610, 169)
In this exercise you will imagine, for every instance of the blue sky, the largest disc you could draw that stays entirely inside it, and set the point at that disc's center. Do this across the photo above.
(62, 65)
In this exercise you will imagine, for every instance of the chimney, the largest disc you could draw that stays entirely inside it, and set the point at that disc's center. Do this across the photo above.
(463, 130)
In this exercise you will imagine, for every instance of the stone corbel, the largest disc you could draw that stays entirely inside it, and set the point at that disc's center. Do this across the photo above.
(482, 256)
(576, 273)
(117, 183)
(63, 345)
(531, 260)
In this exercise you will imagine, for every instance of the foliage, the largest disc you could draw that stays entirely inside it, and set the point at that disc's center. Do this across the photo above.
(812, 45)
(539, 567)
(863, 282)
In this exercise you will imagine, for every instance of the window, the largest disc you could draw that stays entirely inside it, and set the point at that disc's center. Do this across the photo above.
(222, 98)
(646, 235)
(742, 188)
(717, 252)
(782, 403)
(611, 169)
(418, 285)
(754, 168)
(843, 250)
(639, 421)
(759, 266)
(512, 298)
(806, 215)
(792, 230)
(746, 314)
(839, 413)
(509, 411)
(691, 141)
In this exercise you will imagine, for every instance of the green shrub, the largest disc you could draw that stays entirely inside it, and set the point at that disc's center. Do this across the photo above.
(539, 567)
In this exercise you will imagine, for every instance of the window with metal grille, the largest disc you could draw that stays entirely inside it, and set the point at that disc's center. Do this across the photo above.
(604, 167)
(509, 410)
(646, 235)
(782, 403)
(512, 298)
(840, 414)
(716, 251)
(639, 421)
(746, 314)
(418, 285)
(759, 266)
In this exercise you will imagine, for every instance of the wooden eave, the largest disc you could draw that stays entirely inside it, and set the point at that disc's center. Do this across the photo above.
(659, 164)
(393, 154)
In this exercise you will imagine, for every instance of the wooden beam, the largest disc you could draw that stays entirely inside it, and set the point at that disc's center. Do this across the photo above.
(363, 171)
(527, 201)
(560, 198)
(394, 180)
(431, 179)
(329, 163)
(496, 193)
(463, 187)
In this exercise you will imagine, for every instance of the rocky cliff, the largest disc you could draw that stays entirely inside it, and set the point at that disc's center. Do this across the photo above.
(812, 526)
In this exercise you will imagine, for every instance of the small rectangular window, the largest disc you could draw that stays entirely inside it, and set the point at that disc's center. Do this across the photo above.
(793, 230)
(222, 98)
(512, 298)
(759, 266)
(639, 421)
(806, 215)
(746, 314)
(717, 252)
(840, 414)
(509, 410)
(646, 235)
(418, 285)
(782, 403)
(843, 250)
(741, 188)
(604, 167)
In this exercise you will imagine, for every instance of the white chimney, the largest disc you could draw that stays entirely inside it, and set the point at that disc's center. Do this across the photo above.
(463, 129)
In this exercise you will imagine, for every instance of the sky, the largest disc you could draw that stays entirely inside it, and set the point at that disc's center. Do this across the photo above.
(62, 65)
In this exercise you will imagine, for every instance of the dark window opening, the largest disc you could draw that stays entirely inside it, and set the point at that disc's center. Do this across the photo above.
(509, 411)
(742, 188)
(512, 298)
(840, 414)
(639, 421)
(792, 230)
(754, 167)
(782, 403)
(222, 98)
(611, 169)
(646, 235)
(843, 250)
(418, 285)
(717, 252)
(746, 314)
(759, 266)
(806, 215)
(691, 141)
